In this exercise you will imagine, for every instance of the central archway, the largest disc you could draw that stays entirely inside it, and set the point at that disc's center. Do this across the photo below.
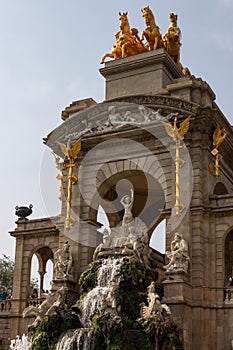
(149, 197)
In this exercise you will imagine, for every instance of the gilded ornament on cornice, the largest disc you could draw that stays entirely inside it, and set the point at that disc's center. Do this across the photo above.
(177, 134)
(71, 153)
(219, 136)
(129, 43)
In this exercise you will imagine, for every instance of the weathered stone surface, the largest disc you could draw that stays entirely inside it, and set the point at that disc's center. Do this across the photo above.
(151, 79)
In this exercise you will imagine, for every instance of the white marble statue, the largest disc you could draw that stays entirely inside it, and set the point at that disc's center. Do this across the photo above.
(103, 246)
(63, 262)
(50, 306)
(154, 308)
(127, 202)
(178, 256)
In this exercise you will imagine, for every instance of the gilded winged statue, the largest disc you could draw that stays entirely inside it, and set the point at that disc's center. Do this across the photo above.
(173, 131)
(71, 152)
(177, 134)
(218, 137)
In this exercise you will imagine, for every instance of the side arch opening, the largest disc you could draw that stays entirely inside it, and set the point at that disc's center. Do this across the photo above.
(41, 263)
(158, 237)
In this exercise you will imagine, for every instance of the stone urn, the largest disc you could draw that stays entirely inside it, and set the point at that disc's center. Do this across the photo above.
(23, 212)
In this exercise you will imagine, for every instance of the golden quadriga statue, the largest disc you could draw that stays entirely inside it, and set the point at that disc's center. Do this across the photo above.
(129, 43)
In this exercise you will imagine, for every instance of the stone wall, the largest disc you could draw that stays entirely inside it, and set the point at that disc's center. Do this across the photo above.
(4, 330)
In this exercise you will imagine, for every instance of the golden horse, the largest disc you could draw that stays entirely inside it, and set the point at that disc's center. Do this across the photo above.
(152, 31)
(116, 51)
(127, 43)
(129, 40)
(172, 41)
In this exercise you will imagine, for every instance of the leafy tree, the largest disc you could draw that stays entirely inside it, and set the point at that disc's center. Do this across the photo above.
(34, 284)
(6, 273)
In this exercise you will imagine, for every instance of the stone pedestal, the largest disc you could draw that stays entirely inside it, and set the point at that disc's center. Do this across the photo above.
(178, 296)
(176, 288)
(71, 288)
(145, 73)
(176, 276)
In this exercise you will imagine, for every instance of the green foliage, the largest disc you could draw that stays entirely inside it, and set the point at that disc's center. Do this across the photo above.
(6, 273)
(172, 336)
(131, 340)
(132, 333)
(79, 301)
(95, 323)
(88, 279)
(116, 342)
(133, 270)
(40, 338)
(47, 333)
(134, 274)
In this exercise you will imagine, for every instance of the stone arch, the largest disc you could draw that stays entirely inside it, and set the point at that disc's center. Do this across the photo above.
(220, 189)
(142, 164)
(143, 176)
(43, 254)
(31, 237)
(158, 236)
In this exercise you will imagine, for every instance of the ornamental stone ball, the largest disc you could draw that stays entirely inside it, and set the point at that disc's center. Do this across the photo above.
(23, 212)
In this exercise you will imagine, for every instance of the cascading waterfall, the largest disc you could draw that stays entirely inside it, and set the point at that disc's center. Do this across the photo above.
(93, 303)
(110, 271)
(18, 343)
(79, 339)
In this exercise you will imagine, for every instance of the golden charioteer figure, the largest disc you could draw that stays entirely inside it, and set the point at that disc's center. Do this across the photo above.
(129, 43)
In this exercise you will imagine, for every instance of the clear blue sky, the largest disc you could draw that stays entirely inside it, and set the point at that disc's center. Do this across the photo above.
(50, 53)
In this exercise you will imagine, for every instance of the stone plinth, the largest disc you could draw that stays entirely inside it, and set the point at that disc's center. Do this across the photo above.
(176, 289)
(71, 288)
(145, 73)
(178, 275)
(178, 296)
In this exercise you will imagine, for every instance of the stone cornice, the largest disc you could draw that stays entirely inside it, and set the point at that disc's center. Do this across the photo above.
(160, 101)
(131, 63)
(40, 232)
(37, 226)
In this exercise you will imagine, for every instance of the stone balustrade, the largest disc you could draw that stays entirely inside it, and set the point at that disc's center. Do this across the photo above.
(35, 301)
(5, 305)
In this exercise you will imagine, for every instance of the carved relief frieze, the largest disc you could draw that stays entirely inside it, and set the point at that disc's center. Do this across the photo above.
(162, 101)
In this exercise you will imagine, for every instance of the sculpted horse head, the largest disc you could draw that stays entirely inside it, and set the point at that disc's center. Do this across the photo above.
(173, 20)
(148, 16)
(124, 22)
(152, 32)
(171, 39)
(127, 43)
